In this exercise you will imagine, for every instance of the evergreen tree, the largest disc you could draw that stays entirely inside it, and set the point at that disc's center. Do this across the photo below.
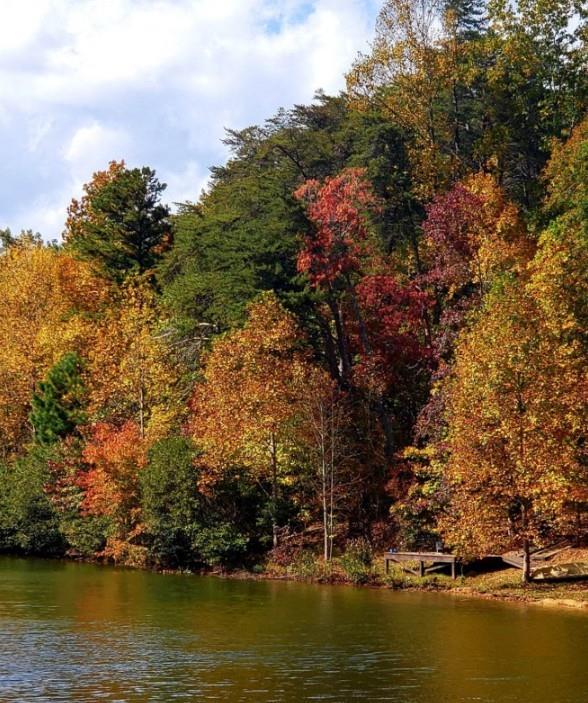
(57, 407)
(119, 224)
(469, 17)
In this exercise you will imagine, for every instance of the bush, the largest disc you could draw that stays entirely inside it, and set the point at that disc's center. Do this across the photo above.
(85, 535)
(305, 566)
(170, 501)
(357, 561)
(222, 545)
(28, 520)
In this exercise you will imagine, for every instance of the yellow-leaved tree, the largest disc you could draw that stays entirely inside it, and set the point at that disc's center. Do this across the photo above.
(517, 398)
(48, 304)
(132, 374)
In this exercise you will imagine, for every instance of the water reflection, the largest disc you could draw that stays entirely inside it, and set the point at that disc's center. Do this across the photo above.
(75, 632)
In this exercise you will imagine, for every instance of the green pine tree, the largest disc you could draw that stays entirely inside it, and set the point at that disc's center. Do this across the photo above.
(57, 408)
(120, 224)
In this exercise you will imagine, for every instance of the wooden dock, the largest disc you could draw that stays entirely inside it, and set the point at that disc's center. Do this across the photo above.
(435, 561)
(538, 557)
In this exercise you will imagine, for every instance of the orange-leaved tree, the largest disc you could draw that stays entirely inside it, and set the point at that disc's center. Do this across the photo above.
(247, 411)
(113, 457)
(516, 418)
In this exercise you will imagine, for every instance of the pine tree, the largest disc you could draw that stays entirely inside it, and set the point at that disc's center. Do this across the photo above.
(57, 407)
(119, 225)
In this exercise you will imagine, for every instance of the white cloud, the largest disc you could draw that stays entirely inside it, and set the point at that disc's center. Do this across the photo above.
(154, 81)
(92, 146)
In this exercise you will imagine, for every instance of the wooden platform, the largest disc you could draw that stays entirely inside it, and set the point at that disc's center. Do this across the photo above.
(436, 561)
(539, 557)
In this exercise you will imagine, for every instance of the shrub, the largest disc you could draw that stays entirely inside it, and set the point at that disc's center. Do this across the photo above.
(222, 545)
(28, 521)
(170, 501)
(357, 561)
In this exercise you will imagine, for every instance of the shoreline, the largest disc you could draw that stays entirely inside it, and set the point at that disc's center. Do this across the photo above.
(502, 587)
(529, 595)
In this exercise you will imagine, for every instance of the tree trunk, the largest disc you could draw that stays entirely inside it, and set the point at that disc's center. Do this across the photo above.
(526, 561)
(330, 350)
(142, 404)
(325, 512)
(274, 491)
(344, 356)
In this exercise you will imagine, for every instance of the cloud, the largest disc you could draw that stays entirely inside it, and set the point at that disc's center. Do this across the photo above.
(153, 81)
(90, 143)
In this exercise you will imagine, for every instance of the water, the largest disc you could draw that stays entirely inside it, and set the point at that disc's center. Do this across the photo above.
(74, 632)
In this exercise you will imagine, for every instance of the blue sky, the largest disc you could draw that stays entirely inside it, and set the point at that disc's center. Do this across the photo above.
(154, 82)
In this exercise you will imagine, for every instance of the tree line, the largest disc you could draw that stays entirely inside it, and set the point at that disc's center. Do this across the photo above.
(371, 325)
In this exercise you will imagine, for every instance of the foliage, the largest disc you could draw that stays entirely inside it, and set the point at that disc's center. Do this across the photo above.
(170, 502)
(246, 410)
(371, 324)
(338, 210)
(473, 90)
(221, 544)
(241, 238)
(132, 373)
(113, 457)
(28, 522)
(357, 561)
(57, 407)
(517, 401)
(48, 302)
(119, 225)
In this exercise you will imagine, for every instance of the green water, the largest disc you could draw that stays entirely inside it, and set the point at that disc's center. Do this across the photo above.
(71, 632)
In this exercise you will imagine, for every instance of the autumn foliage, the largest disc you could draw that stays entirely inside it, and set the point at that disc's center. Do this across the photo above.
(369, 331)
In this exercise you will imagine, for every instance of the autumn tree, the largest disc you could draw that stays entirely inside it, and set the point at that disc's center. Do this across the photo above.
(246, 410)
(419, 74)
(376, 318)
(328, 441)
(476, 87)
(48, 302)
(516, 419)
(132, 373)
(120, 225)
(113, 458)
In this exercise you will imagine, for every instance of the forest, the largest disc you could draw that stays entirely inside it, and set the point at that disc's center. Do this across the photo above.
(369, 331)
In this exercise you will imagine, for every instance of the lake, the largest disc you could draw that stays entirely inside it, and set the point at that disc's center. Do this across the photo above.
(77, 632)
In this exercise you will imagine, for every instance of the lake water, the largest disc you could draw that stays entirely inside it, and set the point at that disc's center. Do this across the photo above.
(75, 632)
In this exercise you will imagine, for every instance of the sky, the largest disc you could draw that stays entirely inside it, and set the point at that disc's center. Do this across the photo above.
(153, 82)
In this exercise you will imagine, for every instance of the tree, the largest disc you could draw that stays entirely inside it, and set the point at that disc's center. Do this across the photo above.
(516, 402)
(473, 94)
(374, 317)
(119, 225)
(330, 449)
(28, 521)
(48, 304)
(246, 410)
(113, 458)
(516, 418)
(57, 407)
(473, 234)
(420, 76)
(132, 372)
